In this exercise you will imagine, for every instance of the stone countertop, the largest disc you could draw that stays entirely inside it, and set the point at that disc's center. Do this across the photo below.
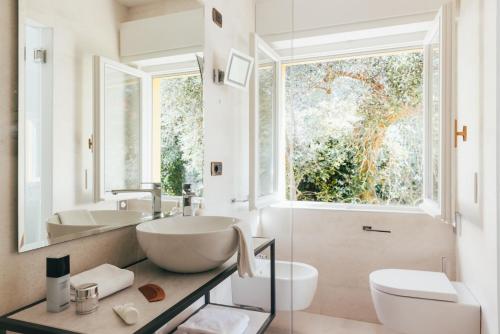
(104, 320)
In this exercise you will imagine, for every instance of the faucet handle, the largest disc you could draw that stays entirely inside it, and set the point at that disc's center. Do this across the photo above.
(156, 185)
(187, 189)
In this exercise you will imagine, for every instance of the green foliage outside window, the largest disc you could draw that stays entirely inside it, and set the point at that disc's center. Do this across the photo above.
(355, 129)
(181, 106)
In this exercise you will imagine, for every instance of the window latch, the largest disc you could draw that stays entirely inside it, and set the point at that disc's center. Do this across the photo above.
(462, 133)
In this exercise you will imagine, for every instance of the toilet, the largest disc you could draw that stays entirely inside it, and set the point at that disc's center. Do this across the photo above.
(256, 291)
(423, 302)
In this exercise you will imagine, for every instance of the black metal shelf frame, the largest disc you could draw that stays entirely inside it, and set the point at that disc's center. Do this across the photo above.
(18, 326)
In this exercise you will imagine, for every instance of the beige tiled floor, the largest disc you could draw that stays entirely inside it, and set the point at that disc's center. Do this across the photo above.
(311, 323)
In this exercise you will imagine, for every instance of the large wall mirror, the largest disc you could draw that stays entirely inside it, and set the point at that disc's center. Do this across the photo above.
(102, 108)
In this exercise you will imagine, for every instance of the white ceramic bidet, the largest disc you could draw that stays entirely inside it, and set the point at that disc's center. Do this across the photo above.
(256, 291)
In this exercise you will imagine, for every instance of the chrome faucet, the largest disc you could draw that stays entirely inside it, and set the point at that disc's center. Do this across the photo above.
(187, 198)
(155, 192)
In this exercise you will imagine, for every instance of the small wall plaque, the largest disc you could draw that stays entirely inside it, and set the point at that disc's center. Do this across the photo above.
(217, 17)
(216, 168)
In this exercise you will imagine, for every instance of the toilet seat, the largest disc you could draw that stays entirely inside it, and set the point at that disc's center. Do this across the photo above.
(421, 302)
(415, 284)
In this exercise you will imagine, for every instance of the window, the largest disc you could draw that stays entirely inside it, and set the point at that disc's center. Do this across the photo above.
(178, 114)
(122, 140)
(267, 96)
(369, 128)
(435, 116)
(354, 129)
(438, 118)
(264, 120)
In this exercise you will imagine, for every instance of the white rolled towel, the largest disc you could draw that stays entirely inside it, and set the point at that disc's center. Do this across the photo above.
(109, 279)
(246, 253)
(215, 321)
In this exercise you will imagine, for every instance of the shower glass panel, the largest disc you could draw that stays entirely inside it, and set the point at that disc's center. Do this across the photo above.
(271, 51)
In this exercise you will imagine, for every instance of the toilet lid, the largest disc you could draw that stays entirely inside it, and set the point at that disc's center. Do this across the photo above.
(414, 283)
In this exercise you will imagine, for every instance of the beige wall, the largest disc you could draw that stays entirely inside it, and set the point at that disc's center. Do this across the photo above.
(161, 7)
(22, 276)
(477, 243)
(226, 109)
(333, 241)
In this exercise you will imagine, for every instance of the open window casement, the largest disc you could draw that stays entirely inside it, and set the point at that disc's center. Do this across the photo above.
(438, 116)
(266, 127)
(122, 137)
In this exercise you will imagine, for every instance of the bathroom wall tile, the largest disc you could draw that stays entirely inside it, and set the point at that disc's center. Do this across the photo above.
(333, 241)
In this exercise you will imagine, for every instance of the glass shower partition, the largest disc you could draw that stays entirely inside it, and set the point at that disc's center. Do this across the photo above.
(269, 190)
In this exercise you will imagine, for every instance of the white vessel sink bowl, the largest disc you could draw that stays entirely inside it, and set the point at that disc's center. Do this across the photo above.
(189, 244)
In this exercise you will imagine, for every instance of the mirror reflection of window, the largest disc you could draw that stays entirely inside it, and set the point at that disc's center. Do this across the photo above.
(36, 161)
(122, 133)
(179, 110)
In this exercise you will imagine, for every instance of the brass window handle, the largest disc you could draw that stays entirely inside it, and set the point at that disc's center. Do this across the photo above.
(462, 133)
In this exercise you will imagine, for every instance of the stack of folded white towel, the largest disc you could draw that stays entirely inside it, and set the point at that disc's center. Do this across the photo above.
(215, 321)
(109, 279)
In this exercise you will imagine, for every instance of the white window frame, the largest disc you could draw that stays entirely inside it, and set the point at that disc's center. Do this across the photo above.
(442, 208)
(256, 201)
(100, 63)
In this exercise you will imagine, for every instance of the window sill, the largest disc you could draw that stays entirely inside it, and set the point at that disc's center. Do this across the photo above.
(347, 207)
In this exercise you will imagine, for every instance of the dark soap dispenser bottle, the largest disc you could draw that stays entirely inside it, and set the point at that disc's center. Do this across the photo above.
(58, 285)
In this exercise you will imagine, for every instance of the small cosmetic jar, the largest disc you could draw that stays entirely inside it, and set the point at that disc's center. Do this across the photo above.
(86, 298)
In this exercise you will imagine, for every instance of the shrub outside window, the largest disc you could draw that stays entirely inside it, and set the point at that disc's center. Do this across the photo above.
(354, 129)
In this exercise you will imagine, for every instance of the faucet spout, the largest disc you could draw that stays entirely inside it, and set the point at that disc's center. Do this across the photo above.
(155, 192)
(187, 197)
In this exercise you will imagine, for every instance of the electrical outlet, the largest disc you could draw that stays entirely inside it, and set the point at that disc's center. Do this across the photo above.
(216, 168)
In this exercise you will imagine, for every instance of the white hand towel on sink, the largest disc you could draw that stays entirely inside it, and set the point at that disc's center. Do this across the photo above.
(246, 253)
(215, 321)
(76, 217)
(109, 279)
